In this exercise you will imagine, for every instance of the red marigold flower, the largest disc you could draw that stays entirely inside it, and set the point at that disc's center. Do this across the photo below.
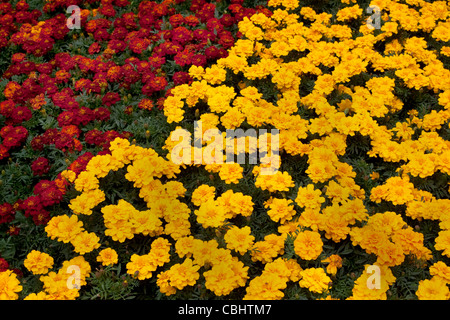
(3, 152)
(64, 141)
(146, 104)
(12, 231)
(37, 143)
(49, 136)
(40, 217)
(72, 130)
(227, 20)
(101, 35)
(226, 39)
(132, 75)
(64, 61)
(7, 213)
(176, 20)
(181, 77)
(66, 118)
(121, 3)
(21, 114)
(137, 45)
(42, 185)
(199, 60)
(6, 130)
(40, 166)
(51, 196)
(80, 163)
(94, 136)
(94, 48)
(6, 107)
(107, 10)
(214, 24)
(110, 98)
(128, 110)
(31, 204)
(44, 68)
(101, 114)
(4, 265)
(18, 57)
(183, 58)
(181, 35)
(85, 115)
(191, 21)
(156, 61)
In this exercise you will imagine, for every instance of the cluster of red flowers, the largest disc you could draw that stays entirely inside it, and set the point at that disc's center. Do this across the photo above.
(12, 137)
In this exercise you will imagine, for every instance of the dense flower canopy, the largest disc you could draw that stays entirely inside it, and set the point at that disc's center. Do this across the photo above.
(347, 200)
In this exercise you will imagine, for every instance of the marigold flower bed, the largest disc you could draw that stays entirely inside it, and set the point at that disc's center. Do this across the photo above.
(96, 204)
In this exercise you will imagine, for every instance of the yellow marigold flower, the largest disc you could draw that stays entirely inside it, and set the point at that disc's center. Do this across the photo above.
(38, 262)
(183, 274)
(334, 262)
(85, 202)
(81, 263)
(69, 175)
(387, 222)
(107, 257)
(210, 214)
(239, 239)
(366, 289)
(443, 242)
(64, 228)
(9, 285)
(141, 267)
(163, 281)
(348, 13)
(265, 287)
(184, 246)
(279, 268)
(433, 289)
(308, 245)
(440, 270)
(231, 172)
(85, 242)
(100, 165)
(203, 251)
(315, 279)
(267, 249)
(160, 251)
(389, 254)
(309, 197)
(36, 296)
(445, 50)
(222, 278)
(117, 219)
(280, 181)
(202, 194)
(196, 72)
(281, 210)
(441, 32)
(295, 270)
(333, 222)
(173, 109)
(215, 74)
(146, 223)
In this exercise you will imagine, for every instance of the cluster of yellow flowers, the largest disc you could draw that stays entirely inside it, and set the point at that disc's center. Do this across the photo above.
(332, 208)
(385, 234)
